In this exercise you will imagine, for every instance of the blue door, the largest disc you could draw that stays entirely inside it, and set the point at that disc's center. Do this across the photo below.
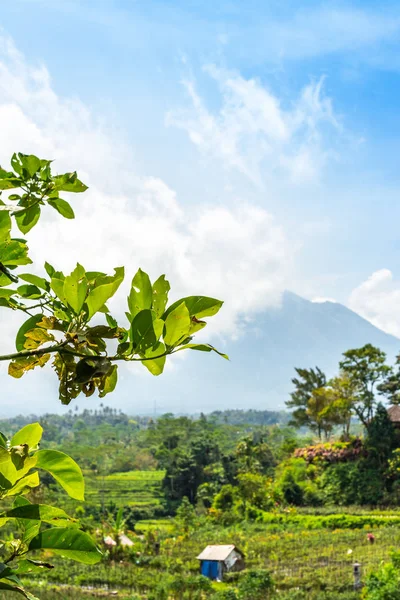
(210, 569)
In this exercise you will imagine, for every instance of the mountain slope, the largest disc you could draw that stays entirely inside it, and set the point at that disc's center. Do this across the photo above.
(298, 334)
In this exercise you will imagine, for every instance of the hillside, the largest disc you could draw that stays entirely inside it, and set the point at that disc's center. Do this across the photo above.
(299, 333)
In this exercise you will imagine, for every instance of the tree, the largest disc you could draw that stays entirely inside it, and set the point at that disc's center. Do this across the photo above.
(345, 390)
(306, 383)
(186, 516)
(319, 411)
(390, 387)
(332, 405)
(60, 328)
(366, 368)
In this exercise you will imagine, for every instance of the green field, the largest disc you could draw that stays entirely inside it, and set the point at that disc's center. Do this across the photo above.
(134, 488)
(318, 561)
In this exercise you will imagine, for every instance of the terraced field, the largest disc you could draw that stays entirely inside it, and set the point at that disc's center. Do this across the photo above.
(133, 488)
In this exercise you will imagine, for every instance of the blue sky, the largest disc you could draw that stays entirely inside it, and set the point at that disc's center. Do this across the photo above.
(264, 136)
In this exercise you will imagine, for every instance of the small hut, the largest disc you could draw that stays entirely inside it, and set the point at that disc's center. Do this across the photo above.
(394, 415)
(217, 560)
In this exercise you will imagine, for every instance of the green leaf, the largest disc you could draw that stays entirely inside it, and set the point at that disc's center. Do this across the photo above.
(160, 290)
(31, 292)
(57, 285)
(29, 528)
(110, 382)
(32, 566)
(155, 366)
(6, 293)
(64, 470)
(30, 434)
(75, 289)
(177, 324)
(49, 269)
(69, 542)
(27, 326)
(203, 348)
(198, 306)
(111, 321)
(104, 290)
(14, 252)
(8, 587)
(24, 485)
(63, 207)
(145, 330)
(5, 225)
(31, 163)
(69, 183)
(35, 280)
(39, 512)
(140, 296)
(28, 218)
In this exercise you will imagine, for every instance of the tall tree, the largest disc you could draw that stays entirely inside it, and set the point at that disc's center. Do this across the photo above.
(306, 383)
(319, 411)
(390, 387)
(366, 367)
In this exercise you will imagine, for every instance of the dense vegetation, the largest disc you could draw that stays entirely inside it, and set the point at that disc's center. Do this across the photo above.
(176, 484)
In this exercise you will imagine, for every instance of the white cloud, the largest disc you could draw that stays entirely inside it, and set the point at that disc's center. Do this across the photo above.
(238, 252)
(378, 300)
(322, 299)
(253, 133)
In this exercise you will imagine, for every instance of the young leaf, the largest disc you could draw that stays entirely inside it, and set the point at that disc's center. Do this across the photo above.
(17, 589)
(156, 365)
(145, 330)
(75, 289)
(69, 183)
(198, 306)
(203, 348)
(5, 225)
(64, 470)
(140, 296)
(31, 163)
(69, 542)
(57, 285)
(39, 512)
(30, 434)
(161, 288)
(28, 218)
(104, 290)
(29, 291)
(63, 207)
(35, 280)
(177, 324)
(14, 252)
(49, 269)
(24, 485)
(29, 528)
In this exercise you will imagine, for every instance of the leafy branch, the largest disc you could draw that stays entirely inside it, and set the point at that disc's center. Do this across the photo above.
(62, 307)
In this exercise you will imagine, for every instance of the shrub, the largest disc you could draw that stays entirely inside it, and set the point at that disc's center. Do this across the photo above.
(256, 585)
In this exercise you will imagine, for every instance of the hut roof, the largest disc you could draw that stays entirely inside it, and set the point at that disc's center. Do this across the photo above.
(217, 552)
(394, 413)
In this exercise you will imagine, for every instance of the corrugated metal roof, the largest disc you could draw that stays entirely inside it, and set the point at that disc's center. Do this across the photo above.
(216, 552)
(394, 414)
